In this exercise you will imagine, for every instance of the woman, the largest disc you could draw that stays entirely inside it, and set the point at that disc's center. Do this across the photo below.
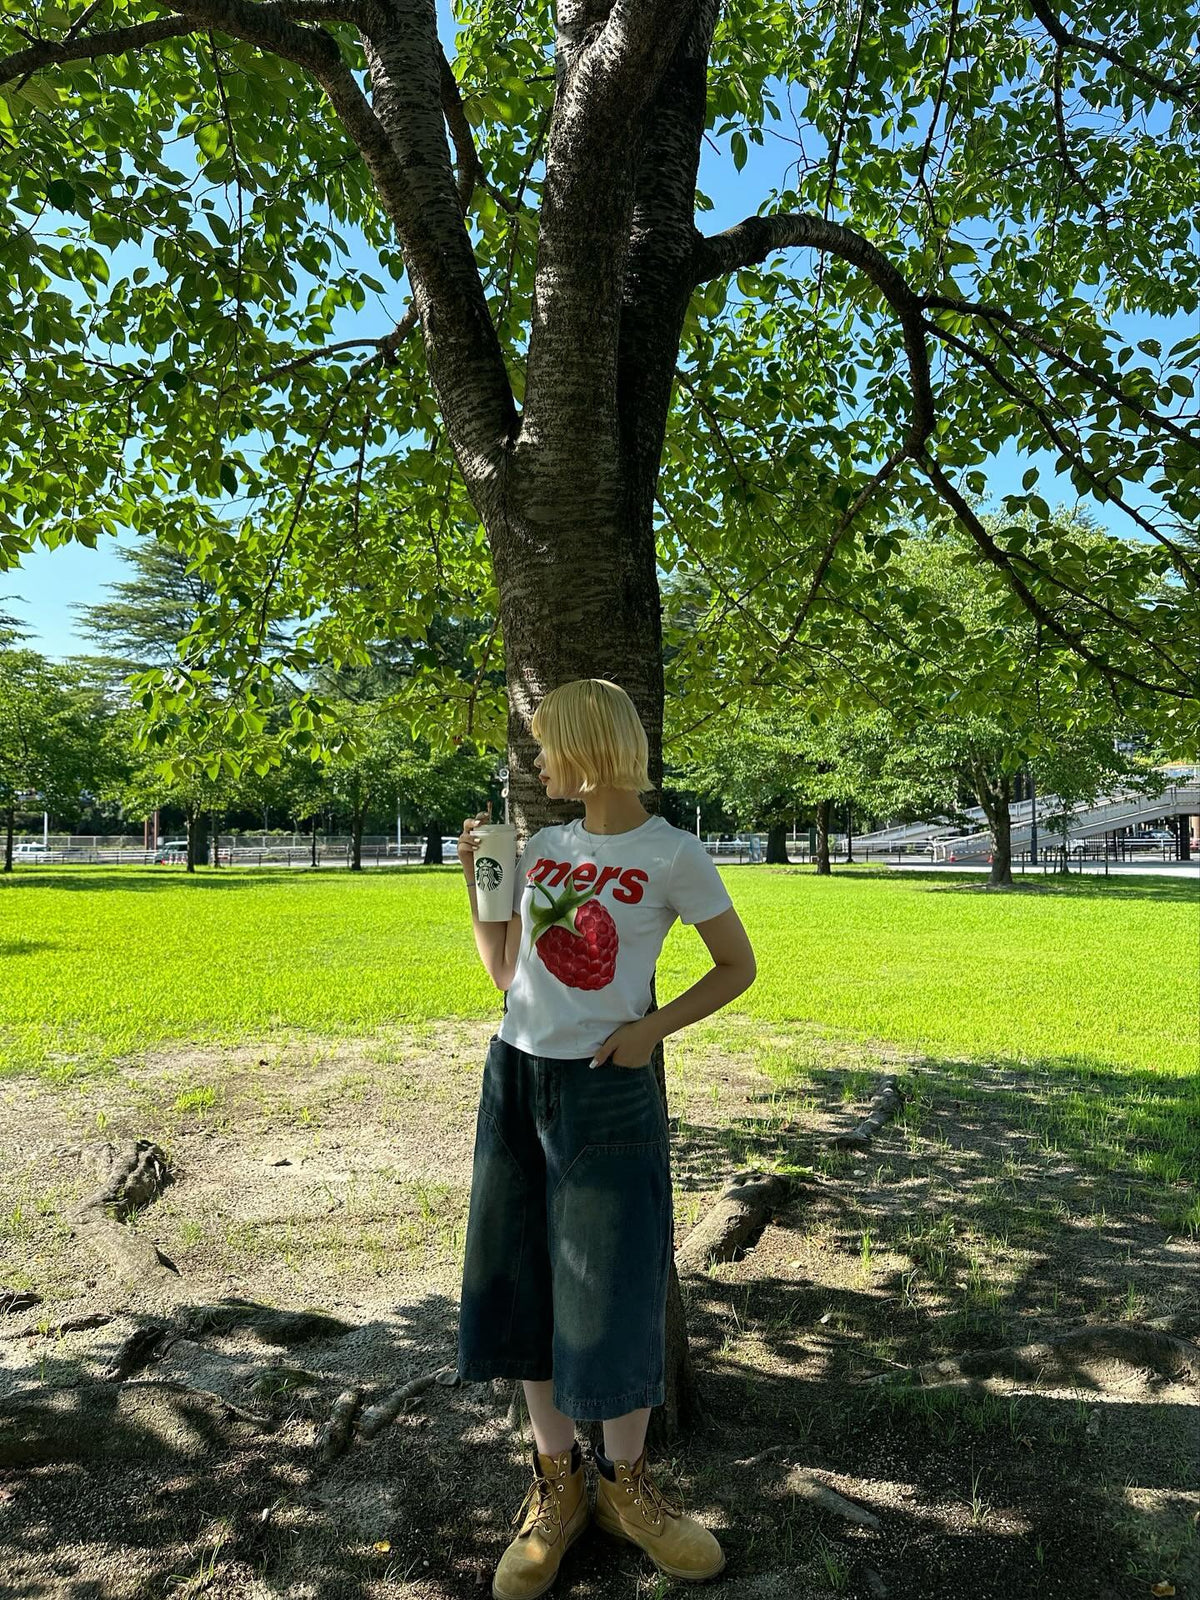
(568, 1243)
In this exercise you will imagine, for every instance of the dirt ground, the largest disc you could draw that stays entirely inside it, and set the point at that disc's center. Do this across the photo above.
(314, 1175)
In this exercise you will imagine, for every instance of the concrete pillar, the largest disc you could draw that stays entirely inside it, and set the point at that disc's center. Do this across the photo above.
(1184, 828)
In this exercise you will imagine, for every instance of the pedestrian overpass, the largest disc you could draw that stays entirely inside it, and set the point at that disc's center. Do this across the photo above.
(1122, 808)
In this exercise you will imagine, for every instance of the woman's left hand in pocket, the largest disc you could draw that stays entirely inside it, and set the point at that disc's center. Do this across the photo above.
(631, 1045)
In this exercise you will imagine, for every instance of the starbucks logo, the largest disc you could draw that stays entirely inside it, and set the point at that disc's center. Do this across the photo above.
(488, 873)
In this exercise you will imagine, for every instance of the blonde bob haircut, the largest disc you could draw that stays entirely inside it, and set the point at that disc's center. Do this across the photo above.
(591, 732)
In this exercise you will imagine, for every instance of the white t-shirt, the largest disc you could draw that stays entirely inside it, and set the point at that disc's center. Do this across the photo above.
(600, 906)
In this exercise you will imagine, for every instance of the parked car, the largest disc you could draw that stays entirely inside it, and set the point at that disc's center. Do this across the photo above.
(33, 852)
(173, 850)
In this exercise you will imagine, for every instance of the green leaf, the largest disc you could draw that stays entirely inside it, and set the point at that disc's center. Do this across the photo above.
(61, 194)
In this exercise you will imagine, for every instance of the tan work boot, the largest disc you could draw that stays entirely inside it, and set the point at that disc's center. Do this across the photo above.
(633, 1507)
(552, 1515)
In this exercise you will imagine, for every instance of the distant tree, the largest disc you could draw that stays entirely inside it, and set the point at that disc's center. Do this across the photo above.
(772, 765)
(49, 737)
(980, 688)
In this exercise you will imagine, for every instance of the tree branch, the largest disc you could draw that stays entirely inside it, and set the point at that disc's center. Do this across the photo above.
(621, 46)
(994, 313)
(78, 46)
(1060, 128)
(54, 52)
(753, 240)
(1001, 561)
(1054, 433)
(657, 286)
(412, 101)
(868, 493)
(403, 144)
(386, 348)
(1167, 88)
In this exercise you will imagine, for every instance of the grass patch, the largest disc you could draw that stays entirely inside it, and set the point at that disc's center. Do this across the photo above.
(1082, 973)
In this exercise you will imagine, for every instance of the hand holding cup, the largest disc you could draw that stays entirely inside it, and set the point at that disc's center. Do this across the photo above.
(467, 842)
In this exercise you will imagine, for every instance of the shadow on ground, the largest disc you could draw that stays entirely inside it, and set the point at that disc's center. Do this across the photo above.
(1000, 1208)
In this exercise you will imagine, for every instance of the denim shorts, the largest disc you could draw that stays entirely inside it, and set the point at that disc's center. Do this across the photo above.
(569, 1233)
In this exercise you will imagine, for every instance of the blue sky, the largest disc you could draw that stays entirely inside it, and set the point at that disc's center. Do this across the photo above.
(49, 582)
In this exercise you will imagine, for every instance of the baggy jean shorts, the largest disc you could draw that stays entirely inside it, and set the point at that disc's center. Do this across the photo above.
(569, 1232)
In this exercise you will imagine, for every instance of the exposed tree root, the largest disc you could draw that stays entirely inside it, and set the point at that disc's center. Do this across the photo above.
(803, 1483)
(741, 1211)
(12, 1300)
(268, 1324)
(768, 1454)
(92, 1319)
(1134, 1344)
(888, 1100)
(333, 1438)
(258, 1419)
(144, 1345)
(130, 1177)
(377, 1417)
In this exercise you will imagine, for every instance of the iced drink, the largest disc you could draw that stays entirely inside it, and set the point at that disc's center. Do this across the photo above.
(495, 870)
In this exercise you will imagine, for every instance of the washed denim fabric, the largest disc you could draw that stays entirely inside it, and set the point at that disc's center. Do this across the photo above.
(569, 1232)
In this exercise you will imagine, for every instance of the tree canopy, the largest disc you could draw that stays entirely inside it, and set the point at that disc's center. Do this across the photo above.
(949, 211)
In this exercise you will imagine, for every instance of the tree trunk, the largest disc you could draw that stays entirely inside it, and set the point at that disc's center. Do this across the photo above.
(8, 838)
(994, 794)
(358, 810)
(314, 841)
(568, 504)
(197, 837)
(777, 844)
(433, 842)
(216, 840)
(823, 869)
(1001, 822)
(849, 835)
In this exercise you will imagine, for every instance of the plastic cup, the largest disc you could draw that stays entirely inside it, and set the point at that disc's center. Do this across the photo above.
(495, 870)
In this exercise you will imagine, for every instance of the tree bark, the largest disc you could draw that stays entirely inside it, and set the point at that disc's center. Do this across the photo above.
(566, 490)
(995, 794)
(777, 844)
(358, 809)
(433, 842)
(313, 860)
(9, 822)
(823, 810)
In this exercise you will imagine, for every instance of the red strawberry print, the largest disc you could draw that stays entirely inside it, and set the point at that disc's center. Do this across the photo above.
(576, 938)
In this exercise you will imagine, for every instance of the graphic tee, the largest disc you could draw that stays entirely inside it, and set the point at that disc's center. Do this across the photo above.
(595, 909)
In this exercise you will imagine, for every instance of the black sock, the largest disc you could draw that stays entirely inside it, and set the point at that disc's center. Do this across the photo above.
(605, 1465)
(576, 1455)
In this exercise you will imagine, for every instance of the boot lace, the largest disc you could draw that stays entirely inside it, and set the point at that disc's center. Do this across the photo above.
(653, 1499)
(547, 1515)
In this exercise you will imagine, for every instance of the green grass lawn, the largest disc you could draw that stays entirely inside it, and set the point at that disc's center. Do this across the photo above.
(100, 963)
